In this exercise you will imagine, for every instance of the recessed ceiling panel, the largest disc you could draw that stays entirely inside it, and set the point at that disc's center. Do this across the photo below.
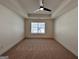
(29, 5)
(32, 5)
(52, 4)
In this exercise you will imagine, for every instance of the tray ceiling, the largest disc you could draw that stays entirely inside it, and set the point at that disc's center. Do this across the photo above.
(23, 7)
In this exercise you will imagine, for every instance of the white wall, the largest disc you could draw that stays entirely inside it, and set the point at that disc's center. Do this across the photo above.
(11, 29)
(49, 28)
(66, 30)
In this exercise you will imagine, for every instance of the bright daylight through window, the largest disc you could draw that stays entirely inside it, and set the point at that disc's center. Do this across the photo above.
(38, 27)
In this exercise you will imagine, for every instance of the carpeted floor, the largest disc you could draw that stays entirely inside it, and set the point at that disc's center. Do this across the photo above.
(39, 49)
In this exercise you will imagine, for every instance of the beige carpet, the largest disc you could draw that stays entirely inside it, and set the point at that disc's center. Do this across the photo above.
(39, 49)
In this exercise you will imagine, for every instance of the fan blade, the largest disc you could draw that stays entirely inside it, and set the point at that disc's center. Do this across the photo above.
(47, 9)
(36, 10)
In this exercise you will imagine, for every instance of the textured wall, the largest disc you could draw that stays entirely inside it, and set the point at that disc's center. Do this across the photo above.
(49, 28)
(11, 29)
(66, 30)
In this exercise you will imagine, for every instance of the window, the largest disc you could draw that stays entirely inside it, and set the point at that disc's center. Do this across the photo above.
(38, 27)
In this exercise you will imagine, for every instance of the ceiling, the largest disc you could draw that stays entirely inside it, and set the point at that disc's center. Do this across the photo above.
(24, 7)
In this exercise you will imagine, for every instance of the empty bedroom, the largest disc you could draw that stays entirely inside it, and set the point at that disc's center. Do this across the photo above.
(38, 29)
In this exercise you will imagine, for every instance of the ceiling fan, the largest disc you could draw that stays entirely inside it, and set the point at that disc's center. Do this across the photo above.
(42, 8)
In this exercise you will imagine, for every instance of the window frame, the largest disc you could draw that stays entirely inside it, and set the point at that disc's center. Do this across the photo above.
(38, 33)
